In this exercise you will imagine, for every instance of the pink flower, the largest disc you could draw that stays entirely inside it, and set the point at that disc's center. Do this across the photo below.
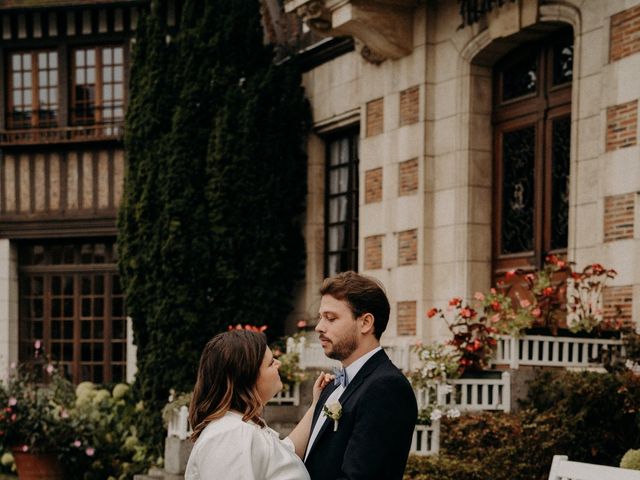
(301, 324)
(77, 443)
(432, 313)
(454, 302)
(13, 365)
(524, 303)
(479, 296)
(13, 401)
(510, 274)
(64, 414)
(493, 291)
(49, 369)
(495, 318)
(90, 451)
(536, 312)
(24, 448)
(37, 344)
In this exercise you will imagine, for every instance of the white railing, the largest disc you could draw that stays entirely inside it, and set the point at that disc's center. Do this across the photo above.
(178, 425)
(287, 396)
(537, 350)
(426, 439)
(470, 394)
(547, 351)
(563, 469)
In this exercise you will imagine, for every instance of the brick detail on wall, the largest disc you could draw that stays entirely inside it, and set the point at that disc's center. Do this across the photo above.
(373, 185)
(373, 252)
(407, 318)
(618, 217)
(622, 125)
(625, 34)
(409, 105)
(408, 247)
(408, 177)
(375, 117)
(617, 303)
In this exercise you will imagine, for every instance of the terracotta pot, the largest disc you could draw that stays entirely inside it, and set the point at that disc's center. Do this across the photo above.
(38, 466)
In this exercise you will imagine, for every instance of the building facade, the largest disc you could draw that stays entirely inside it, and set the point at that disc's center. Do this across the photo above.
(453, 144)
(64, 69)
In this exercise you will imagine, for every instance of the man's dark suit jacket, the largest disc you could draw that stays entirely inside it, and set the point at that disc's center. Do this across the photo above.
(374, 434)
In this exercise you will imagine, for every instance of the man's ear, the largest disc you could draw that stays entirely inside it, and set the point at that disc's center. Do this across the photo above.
(368, 322)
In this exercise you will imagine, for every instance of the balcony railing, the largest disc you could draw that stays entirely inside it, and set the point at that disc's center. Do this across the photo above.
(83, 133)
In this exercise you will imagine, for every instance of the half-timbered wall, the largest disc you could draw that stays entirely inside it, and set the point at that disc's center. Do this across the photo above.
(61, 183)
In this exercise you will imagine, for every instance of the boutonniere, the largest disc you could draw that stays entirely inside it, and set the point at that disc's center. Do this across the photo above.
(334, 412)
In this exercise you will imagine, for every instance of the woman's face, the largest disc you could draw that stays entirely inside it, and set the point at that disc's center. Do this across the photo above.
(269, 382)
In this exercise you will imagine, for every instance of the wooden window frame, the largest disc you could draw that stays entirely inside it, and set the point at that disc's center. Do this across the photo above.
(35, 121)
(77, 270)
(99, 104)
(540, 109)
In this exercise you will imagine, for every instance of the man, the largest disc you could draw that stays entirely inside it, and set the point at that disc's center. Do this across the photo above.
(376, 416)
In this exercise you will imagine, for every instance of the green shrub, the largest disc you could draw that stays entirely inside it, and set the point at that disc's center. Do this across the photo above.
(598, 412)
(442, 467)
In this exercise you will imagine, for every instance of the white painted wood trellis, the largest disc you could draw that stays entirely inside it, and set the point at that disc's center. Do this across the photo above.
(533, 350)
(567, 352)
(178, 425)
(287, 396)
(426, 439)
(470, 394)
(563, 469)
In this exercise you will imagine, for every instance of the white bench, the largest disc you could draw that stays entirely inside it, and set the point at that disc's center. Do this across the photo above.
(563, 469)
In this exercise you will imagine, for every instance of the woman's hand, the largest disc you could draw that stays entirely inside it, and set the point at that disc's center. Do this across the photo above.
(322, 381)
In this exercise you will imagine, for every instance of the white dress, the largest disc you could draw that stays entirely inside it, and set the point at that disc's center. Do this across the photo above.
(230, 449)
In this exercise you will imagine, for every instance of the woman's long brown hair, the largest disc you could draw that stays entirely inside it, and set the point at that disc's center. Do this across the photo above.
(227, 376)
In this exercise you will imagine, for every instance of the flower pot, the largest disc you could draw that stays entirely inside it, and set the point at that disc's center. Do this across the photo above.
(37, 466)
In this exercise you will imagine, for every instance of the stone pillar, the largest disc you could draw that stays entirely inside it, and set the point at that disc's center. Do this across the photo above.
(8, 306)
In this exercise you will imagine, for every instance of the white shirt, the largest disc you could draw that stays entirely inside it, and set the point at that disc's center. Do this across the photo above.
(352, 370)
(230, 449)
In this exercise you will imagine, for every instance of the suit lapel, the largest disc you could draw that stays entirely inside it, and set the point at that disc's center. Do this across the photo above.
(364, 372)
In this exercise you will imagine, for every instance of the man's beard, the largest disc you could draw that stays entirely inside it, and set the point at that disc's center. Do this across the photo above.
(342, 349)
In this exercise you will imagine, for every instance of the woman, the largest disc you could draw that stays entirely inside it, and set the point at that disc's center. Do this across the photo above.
(237, 376)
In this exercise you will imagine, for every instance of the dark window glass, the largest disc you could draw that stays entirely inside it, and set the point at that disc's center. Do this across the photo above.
(520, 79)
(561, 136)
(518, 194)
(563, 61)
(341, 215)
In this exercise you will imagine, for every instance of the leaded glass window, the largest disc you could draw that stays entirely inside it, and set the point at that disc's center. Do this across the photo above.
(532, 124)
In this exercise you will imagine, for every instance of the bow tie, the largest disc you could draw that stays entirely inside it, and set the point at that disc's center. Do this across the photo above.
(341, 378)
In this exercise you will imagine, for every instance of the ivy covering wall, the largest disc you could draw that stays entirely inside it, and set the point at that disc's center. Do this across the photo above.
(210, 225)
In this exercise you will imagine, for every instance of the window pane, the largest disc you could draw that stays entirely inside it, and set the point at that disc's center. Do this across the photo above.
(53, 77)
(107, 74)
(15, 61)
(91, 57)
(91, 75)
(118, 56)
(520, 79)
(26, 80)
(560, 138)
(563, 61)
(80, 58)
(17, 80)
(518, 195)
(42, 78)
(107, 56)
(338, 209)
(26, 61)
(53, 60)
(42, 60)
(80, 78)
(117, 74)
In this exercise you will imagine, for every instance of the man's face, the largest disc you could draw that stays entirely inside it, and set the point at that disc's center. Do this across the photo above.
(337, 328)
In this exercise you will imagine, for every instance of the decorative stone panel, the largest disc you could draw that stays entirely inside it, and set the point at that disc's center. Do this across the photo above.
(408, 177)
(618, 303)
(373, 252)
(406, 318)
(618, 217)
(373, 185)
(408, 247)
(622, 125)
(375, 117)
(625, 34)
(409, 105)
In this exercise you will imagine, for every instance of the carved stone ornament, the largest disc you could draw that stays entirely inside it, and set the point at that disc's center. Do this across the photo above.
(385, 27)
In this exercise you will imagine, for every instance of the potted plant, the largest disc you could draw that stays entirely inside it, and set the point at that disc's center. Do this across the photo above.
(35, 422)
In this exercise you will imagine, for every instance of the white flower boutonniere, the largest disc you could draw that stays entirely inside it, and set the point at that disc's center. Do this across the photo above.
(334, 412)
